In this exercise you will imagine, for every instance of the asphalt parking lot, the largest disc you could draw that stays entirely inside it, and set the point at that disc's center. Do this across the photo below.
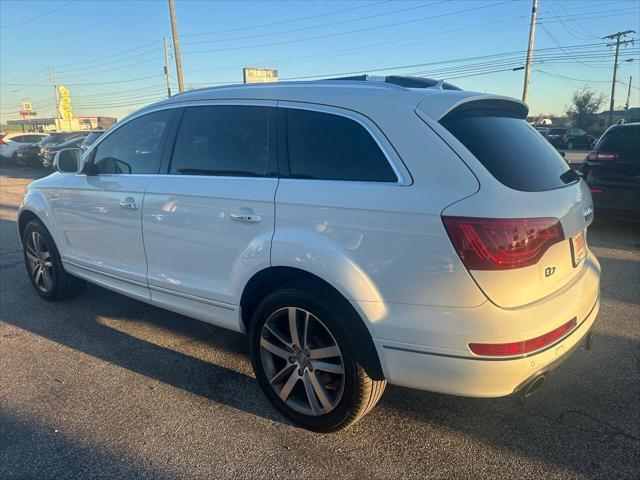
(108, 387)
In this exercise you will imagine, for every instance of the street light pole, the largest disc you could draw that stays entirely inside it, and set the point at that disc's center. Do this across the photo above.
(176, 45)
(166, 67)
(52, 75)
(527, 68)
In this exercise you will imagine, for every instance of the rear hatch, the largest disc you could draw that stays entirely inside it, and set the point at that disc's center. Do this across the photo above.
(522, 236)
(612, 169)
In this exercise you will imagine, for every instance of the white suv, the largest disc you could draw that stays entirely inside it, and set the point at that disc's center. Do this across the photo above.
(360, 233)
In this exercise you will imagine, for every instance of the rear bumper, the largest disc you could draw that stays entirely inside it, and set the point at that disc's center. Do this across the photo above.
(440, 361)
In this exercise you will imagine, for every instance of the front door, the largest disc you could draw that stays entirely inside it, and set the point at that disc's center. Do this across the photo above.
(208, 220)
(102, 210)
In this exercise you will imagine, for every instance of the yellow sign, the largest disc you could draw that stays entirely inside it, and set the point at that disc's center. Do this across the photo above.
(26, 106)
(64, 107)
(259, 75)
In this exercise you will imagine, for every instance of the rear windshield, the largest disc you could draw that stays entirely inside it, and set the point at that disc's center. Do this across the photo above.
(511, 149)
(625, 141)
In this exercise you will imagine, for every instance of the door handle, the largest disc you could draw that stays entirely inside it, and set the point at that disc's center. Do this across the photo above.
(129, 203)
(245, 218)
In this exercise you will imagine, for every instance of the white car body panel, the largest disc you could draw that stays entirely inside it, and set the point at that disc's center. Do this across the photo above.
(12, 143)
(101, 236)
(193, 244)
(381, 244)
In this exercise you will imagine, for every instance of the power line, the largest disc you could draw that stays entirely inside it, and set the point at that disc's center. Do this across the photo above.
(365, 29)
(29, 20)
(281, 22)
(311, 27)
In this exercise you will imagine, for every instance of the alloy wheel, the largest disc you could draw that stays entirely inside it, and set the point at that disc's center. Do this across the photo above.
(302, 361)
(40, 262)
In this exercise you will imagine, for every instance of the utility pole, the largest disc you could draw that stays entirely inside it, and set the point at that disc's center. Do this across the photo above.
(166, 66)
(626, 105)
(527, 68)
(176, 45)
(52, 75)
(618, 38)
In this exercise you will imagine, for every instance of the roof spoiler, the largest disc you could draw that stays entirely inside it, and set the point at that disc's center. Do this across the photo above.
(472, 104)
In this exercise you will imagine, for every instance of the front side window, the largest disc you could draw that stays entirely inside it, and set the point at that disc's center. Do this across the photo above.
(325, 146)
(227, 140)
(134, 148)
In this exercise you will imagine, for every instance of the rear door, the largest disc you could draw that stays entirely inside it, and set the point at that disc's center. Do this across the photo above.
(614, 167)
(523, 234)
(209, 218)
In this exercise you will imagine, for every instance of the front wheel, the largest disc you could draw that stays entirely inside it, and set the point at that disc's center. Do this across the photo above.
(569, 145)
(41, 257)
(303, 351)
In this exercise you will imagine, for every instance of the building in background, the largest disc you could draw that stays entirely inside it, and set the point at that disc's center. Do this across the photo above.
(259, 75)
(83, 122)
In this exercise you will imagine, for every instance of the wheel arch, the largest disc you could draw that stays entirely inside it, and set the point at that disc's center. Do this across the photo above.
(24, 217)
(272, 278)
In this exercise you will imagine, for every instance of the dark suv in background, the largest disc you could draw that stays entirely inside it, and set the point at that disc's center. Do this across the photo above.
(570, 138)
(612, 171)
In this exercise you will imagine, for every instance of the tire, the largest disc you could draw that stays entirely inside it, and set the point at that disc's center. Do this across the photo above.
(569, 145)
(14, 158)
(53, 283)
(341, 399)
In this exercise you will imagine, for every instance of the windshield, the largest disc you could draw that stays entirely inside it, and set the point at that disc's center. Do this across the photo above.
(513, 152)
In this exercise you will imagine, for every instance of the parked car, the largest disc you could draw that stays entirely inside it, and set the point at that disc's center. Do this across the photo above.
(544, 131)
(570, 138)
(612, 171)
(91, 137)
(33, 154)
(48, 152)
(10, 142)
(360, 233)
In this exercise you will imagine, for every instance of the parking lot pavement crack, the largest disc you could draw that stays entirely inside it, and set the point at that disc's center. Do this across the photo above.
(565, 419)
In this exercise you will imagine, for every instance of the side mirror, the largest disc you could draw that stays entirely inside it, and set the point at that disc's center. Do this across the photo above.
(68, 160)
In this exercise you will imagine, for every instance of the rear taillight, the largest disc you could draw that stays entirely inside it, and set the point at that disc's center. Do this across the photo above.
(524, 346)
(596, 190)
(2, 142)
(502, 244)
(602, 156)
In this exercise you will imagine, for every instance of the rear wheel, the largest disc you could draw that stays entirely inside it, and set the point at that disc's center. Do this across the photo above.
(41, 257)
(306, 358)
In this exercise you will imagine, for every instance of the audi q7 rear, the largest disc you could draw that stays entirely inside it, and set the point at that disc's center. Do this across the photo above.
(360, 233)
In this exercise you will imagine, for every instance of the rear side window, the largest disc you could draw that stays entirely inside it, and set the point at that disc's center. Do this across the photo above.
(231, 140)
(324, 146)
(513, 152)
(625, 141)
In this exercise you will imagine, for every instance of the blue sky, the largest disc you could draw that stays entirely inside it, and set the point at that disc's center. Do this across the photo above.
(110, 55)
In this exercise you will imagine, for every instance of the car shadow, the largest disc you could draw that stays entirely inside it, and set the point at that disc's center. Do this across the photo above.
(64, 457)
(28, 172)
(583, 419)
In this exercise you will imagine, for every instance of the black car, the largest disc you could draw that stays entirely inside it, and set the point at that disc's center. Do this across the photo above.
(49, 152)
(34, 154)
(569, 137)
(612, 171)
(90, 139)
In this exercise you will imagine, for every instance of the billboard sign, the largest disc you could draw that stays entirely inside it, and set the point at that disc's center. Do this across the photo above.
(64, 107)
(259, 75)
